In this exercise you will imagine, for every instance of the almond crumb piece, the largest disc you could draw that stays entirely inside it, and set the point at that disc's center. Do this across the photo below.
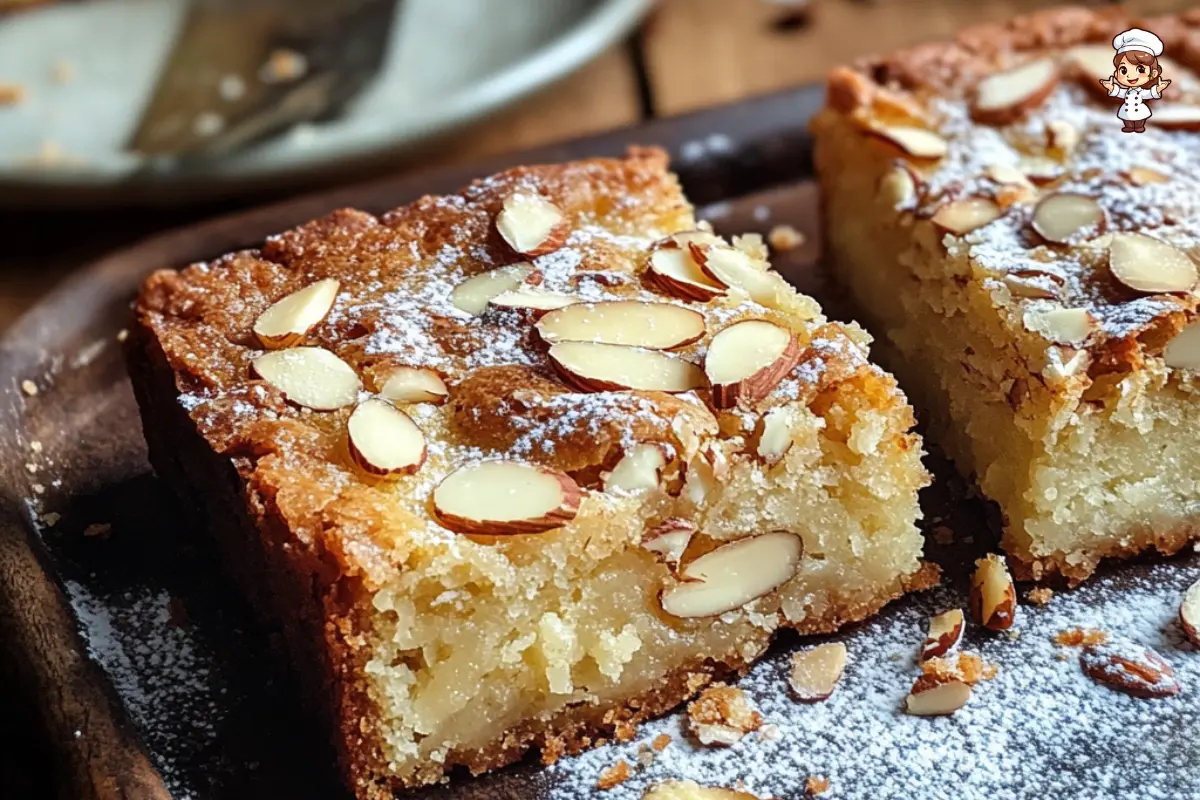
(943, 535)
(614, 776)
(51, 518)
(1040, 596)
(816, 785)
(35, 446)
(721, 715)
(1079, 637)
(101, 529)
(283, 66)
(660, 742)
(784, 237)
(29, 387)
(969, 668)
(122, 335)
(11, 94)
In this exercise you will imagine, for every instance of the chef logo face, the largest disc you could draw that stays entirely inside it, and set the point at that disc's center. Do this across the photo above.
(1135, 68)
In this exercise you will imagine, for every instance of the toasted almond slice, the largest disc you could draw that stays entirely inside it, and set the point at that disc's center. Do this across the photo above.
(1006, 175)
(937, 696)
(1062, 325)
(735, 269)
(681, 239)
(384, 440)
(1037, 285)
(1040, 169)
(289, 319)
(815, 672)
(473, 294)
(1089, 63)
(898, 188)
(503, 498)
(704, 473)
(638, 470)
(594, 367)
(1189, 613)
(414, 385)
(1183, 352)
(535, 301)
(733, 575)
(747, 360)
(669, 539)
(1144, 176)
(1130, 668)
(993, 596)
(916, 142)
(1177, 118)
(1062, 136)
(655, 326)
(945, 633)
(960, 217)
(1065, 363)
(1150, 265)
(679, 275)
(1005, 97)
(531, 224)
(311, 377)
(776, 439)
(1066, 217)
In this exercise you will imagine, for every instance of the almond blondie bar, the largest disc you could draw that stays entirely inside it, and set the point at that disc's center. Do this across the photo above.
(1032, 269)
(521, 466)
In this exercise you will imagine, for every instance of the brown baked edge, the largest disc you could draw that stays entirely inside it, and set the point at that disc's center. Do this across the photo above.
(314, 608)
(1166, 542)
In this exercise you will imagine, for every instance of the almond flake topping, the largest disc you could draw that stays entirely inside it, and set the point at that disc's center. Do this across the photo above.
(747, 360)
(916, 142)
(960, 217)
(993, 596)
(655, 326)
(311, 377)
(1150, 265)
(733, 575)
(474, 294)
(1183, 352)
(1066, 217)
(414, 385)
(816, 672)
(504, 498)
(1005, 97)
(595, 367)
(531, 224)
(289, 320)
(384, 440)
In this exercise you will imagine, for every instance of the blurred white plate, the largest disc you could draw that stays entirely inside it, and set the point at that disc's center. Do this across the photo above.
(450, 62)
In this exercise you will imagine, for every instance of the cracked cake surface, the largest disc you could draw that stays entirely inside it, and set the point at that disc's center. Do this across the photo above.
(521, 466)
(1032, 270)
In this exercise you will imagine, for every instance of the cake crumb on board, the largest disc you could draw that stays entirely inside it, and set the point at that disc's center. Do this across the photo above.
(1080, 637)
(816, 785)
(29, 387)
(1041, 595)
(783, 238)
(614, 776)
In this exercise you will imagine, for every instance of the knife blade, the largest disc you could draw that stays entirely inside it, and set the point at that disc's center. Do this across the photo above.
(243, 70)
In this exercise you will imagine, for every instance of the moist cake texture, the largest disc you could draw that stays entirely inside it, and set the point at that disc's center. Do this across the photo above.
(1031, 268)
(512, 471)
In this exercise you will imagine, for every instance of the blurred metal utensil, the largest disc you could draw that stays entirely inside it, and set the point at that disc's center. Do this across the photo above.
(245, 69)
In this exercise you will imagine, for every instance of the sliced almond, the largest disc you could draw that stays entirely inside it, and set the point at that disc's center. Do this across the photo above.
(1036, 285)
(1189, 613)
(535, 301)
(1064, 363)
(473, 294)
(1066, 217)
(414, 385)
(960, 217)
(937, 696)
(384, 440)
(945, 633)
(311, 377)
(655, 326)
(1005, 97)
(669, 539)
(733, 575)
(678, 274)
(993, 596)
(639, 470)
(734, 268)
(531, 224)
(747, 360)
(289, 320)
(1144, 176)
(916, 142)
(1062, 325)
(1005, 174)
(683, 239)
(816, 672)
(594, 367)
(704, 473)
(1089, 63)
(1062, 136)
(1183, 352)
(1130, 668)
(1040, 169)
(778, 427)
(1150, 265)
(898, 188)
(503, 498)
(1177, 118)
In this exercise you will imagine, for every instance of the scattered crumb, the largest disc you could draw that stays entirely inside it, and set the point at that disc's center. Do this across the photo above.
(660, 742)
(624, 731)
(1078, 637)
(943, 535)
(1041, 595)
(752, 244)
(208, 123)
(11, 94)
(101, 529)
(721, 715)
(970, 668)
(122, 335)
(29, 387)
(1013, 634)
(232, 88)
(51, 518)
(62, 71)
(784, 237)
(816, 785)
(37, 488)
(35, 446)
(770, 733)
(283, 66)
(614, 776)
(1060, 656)
(31, 468)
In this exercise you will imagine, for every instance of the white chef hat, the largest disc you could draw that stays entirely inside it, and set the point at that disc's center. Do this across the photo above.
(1138, 39)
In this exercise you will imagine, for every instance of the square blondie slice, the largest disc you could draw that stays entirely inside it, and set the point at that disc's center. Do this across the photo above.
(521, 466)
(1030, 271)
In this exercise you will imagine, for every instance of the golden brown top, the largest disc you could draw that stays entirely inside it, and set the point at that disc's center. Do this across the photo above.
(1007, 143)
(545, 316)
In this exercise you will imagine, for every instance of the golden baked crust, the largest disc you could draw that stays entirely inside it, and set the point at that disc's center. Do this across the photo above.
(1003, 274)
(336, 556)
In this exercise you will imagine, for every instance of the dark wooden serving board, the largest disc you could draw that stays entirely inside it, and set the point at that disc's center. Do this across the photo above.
(140, 670)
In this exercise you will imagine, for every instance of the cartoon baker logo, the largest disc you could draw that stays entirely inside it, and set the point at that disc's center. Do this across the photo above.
(1136, 77)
